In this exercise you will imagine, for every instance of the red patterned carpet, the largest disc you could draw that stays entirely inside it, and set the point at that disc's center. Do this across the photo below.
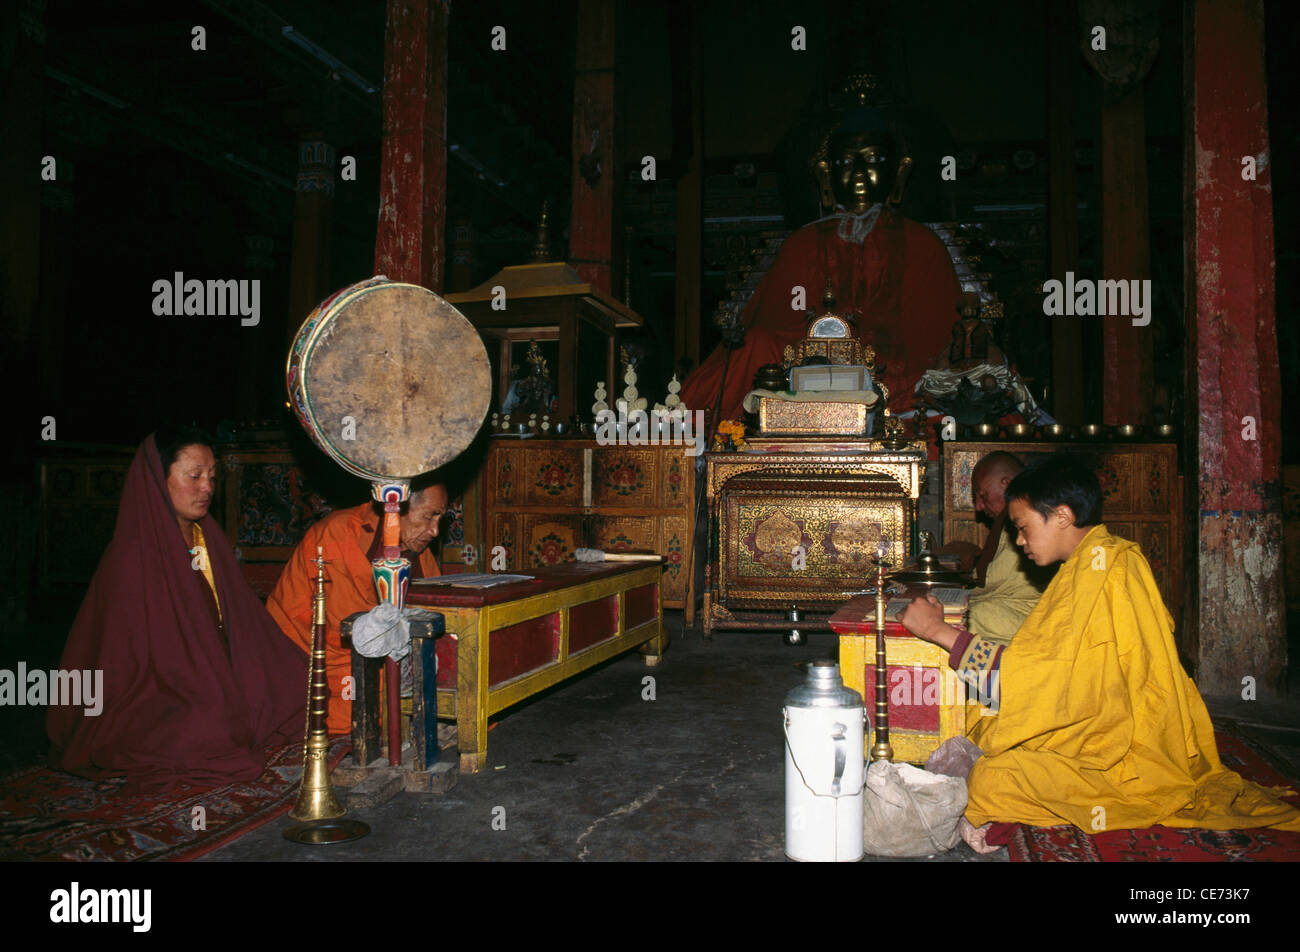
(1161, 844)
(52, 816)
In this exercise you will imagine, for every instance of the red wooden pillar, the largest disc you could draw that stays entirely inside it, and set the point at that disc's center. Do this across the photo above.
(410, 243)
(1233, 381)
(313, 212)
(1119, 40)
(687, 97)
(596, 166)
(1128, 364)
(1067, 403)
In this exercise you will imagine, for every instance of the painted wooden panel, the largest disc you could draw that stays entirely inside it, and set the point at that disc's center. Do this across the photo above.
(625, 477)
(551, 477)
(1142, 498)
(546, 540)
(625, 533)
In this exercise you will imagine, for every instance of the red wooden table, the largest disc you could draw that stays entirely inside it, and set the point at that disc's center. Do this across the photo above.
(927, 703)
(511, 641)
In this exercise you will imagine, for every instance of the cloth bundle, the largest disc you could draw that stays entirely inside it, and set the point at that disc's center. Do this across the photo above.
(910, 812)
(386, 630)
(944, 383)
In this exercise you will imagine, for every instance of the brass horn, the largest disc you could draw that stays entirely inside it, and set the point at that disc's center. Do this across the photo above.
(317, 807)
(881, 749)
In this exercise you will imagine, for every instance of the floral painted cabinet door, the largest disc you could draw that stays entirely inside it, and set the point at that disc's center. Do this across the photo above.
(545, 498)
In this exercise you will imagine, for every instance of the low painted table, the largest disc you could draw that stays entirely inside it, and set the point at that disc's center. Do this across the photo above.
(507, 643)
(927, 702)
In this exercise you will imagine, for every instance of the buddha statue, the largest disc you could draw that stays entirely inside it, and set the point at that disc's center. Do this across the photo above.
(856, 170)
(892, 276)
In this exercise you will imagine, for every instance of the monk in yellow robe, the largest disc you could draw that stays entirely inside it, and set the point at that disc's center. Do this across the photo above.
(350, 539)
(1096, 722)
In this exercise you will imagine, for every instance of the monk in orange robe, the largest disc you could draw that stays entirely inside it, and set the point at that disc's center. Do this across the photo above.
(892, 274)
(350, 539)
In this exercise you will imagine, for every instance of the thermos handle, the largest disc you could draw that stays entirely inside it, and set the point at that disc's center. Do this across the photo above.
(841, 756)
(841, 753)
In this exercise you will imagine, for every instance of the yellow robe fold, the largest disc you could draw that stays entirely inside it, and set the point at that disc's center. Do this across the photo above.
(1099, 725)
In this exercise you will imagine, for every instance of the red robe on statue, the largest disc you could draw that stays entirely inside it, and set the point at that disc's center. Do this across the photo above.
(899, 283)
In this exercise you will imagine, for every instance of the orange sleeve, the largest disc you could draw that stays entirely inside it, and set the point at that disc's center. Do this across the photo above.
(428, 566)
(290, 600)
(349, 588)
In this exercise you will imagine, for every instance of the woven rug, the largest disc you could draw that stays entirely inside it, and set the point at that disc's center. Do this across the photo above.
(49, 815)
(1162, 844)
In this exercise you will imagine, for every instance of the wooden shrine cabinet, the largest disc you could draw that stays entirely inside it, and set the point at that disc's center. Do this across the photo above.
(549, 302)
(543, 498)
(1141, 498)
(833, 499)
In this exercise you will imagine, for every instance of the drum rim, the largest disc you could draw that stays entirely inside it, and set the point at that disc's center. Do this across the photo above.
(304, 348)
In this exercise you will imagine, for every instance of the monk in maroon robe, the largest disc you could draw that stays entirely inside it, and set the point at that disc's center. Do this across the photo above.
(198, 682)
(890, 273)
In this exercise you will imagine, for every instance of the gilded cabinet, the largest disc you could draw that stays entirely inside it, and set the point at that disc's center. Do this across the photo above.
(544, 498)
(795, 526)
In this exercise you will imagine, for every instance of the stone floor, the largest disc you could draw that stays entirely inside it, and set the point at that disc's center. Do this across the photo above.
(591, 771)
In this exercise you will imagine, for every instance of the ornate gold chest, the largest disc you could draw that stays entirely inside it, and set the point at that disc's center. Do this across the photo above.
(816, 417)
(795, 527)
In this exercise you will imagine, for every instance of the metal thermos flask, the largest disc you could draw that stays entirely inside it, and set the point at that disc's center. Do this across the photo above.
(823, 768)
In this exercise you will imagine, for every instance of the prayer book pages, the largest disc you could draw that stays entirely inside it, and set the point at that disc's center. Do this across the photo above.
(472, 580)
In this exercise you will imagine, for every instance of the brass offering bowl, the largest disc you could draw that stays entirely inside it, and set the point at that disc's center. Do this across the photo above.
(772, 377)
(929, 573)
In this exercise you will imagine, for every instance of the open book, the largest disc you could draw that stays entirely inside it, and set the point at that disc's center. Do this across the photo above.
(472, 580)
(955, 602)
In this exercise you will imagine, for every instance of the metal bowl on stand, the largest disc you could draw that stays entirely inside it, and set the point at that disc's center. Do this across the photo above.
(928, 573)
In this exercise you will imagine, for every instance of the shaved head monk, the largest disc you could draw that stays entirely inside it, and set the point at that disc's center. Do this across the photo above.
(1010, 585)
(350, 538)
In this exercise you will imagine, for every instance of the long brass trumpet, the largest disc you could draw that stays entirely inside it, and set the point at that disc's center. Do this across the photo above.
(317, 807)
(881, 749)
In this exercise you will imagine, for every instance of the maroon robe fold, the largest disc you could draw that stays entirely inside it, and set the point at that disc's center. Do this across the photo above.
(183, 699)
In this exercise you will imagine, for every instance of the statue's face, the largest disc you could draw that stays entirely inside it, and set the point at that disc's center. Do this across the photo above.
(862, 169)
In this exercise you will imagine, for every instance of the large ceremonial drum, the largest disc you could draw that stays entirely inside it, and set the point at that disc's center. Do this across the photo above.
(389, 380)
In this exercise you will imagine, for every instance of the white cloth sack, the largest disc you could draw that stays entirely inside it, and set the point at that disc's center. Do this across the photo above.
(909, 812)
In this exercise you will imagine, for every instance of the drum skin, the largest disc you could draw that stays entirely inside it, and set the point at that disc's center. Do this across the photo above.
(388, 379)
